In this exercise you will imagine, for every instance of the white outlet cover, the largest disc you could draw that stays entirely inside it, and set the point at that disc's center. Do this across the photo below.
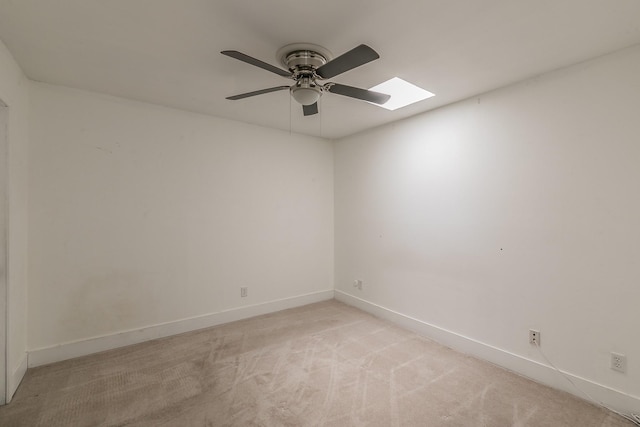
(618, 362)
(534, 336)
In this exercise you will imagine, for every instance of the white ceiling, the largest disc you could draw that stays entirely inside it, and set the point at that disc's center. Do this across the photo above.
(167, 51)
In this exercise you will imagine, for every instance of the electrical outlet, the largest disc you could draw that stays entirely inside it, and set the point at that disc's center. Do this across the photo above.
(357, 284)
(243, 292)
(618, 362)
(534, 337)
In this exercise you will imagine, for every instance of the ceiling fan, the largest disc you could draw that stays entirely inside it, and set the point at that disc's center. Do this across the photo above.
(307, 64)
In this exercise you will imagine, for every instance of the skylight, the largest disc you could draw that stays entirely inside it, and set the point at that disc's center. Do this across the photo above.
(402, 93)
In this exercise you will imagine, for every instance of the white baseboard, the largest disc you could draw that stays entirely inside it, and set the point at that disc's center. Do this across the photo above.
(15, 377)
(614, 399)
(42, 356)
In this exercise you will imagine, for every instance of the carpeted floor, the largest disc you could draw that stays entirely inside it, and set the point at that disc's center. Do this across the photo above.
(324, 364)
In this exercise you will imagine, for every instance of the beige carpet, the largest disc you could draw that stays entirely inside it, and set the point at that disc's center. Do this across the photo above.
(325, 364)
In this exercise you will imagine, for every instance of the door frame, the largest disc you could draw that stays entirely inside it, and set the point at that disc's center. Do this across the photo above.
(4, 254)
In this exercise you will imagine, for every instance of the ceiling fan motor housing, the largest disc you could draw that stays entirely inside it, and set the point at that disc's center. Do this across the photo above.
(304, 62)
(299, 56)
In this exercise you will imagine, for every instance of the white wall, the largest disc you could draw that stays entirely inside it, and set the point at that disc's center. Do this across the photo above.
(14, 93)
(514, 210)
(142, 215)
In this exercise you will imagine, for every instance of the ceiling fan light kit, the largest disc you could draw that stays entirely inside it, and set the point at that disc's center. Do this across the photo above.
(307, 64)
(306, 92)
